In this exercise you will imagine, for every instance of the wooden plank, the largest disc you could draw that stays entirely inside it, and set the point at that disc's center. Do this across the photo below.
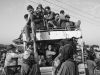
(46, 70)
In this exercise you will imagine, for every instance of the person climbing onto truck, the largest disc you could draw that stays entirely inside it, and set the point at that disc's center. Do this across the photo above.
(19, 40)
(30, 10)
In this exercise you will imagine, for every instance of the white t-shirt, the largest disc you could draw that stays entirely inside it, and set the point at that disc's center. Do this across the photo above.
(8, 60)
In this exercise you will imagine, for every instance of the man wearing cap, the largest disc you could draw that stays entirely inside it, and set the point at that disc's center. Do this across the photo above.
(70, 25)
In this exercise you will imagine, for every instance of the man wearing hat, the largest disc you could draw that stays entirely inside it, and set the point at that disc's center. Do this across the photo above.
(70, 25)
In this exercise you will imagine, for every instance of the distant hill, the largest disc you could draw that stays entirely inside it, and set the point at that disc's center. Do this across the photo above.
(3, 46)
(7, 47)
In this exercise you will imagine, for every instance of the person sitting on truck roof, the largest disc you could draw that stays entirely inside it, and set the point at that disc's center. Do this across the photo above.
(50, 17)
(67, 17)
(38, 17)
(62, 15)
(56, 22)
(62, 19)
(70, 25)
(41, 9)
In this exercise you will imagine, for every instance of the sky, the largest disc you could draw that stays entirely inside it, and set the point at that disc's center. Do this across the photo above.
(12, 21)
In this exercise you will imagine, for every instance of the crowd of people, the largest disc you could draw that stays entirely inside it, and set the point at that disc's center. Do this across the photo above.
(19, 62)
(46, 19)
(92, 58)
(64, 58)
(25, 60)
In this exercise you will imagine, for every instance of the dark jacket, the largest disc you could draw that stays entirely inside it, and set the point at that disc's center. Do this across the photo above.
(50, 16)
(66, 52)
